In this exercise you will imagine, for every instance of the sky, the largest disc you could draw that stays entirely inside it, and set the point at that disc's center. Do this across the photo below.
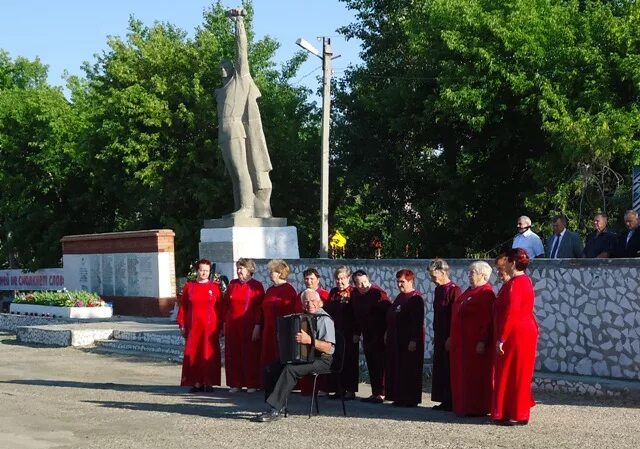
(65, 33)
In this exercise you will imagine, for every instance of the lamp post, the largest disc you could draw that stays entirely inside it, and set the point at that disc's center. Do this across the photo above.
(326, 56)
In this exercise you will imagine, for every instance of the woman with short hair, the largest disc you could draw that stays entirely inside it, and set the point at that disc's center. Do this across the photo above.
(340, 308)
(469, 341)
(279, 300)
(199, 323)
(241, 304)
(444, 296)
(516, 337)
(405, 344)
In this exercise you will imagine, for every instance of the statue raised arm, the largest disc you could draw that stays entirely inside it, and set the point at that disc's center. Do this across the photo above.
(240, 133)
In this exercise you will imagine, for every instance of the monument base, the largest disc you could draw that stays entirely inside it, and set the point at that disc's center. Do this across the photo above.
(254, 238)
(141, 306)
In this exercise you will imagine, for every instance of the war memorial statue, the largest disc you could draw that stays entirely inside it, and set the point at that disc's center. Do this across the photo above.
(251, 231)
(240, 133)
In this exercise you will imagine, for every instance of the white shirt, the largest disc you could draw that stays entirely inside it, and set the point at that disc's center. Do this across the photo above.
(530, 242)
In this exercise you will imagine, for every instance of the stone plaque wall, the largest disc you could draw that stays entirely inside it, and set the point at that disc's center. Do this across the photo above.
(588, 310)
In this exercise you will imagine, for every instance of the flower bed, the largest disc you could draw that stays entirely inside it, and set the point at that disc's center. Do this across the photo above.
(61, 304)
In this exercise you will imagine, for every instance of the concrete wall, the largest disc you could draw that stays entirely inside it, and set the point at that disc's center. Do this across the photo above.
(588, 309)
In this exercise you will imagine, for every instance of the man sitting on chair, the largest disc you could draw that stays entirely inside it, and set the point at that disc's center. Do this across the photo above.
(280, 380)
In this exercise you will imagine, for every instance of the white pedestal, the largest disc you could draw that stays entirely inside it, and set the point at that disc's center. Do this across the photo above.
(225, 245)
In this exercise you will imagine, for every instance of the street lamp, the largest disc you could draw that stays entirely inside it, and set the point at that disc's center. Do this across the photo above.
(326, 56)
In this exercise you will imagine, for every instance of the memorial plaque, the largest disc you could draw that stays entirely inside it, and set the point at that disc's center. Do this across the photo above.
(83, 273)
(95, 279)
(134, 270)
(146, 274)
(107, 274)
(120, 272)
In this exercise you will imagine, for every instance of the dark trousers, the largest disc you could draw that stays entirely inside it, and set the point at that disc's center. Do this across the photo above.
(279, 380)
(374, 354)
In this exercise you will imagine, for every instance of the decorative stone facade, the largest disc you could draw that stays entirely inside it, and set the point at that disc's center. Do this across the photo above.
(588, 310)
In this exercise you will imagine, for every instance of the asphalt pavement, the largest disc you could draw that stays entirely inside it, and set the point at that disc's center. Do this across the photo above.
(76, 398)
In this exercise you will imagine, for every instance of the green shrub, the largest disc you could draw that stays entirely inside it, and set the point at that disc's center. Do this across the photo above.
(64, 298)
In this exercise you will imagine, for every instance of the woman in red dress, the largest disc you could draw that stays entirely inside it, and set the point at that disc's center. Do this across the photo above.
(199, 322)
(241, 304)
(279, 300)
(516, 337)
(469, 345)
(339, 307)
(445, 294)
(405, 344)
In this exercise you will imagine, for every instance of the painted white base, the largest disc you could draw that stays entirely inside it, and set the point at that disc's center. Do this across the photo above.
(225, 246)
(62, 312)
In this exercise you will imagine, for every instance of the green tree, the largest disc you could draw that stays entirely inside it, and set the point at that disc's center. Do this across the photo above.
(469, 113)
(40, 169)
(151, 138)
(135, 147)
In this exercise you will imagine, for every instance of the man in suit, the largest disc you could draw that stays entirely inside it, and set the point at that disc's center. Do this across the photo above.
(563, 244)
(629, 242)
(600, 243)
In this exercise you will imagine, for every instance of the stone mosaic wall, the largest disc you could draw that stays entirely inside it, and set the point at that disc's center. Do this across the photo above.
(588, 309)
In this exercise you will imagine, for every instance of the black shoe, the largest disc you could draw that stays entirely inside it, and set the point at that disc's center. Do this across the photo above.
(268, 416)
(513, 422)
(509, 422)
(349, 396)
(404, 404)
(442, 407)
(373, 399)
(196, 389)
(208, 389)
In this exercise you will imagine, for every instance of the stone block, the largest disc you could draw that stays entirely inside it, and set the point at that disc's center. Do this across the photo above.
(590, 309)
(584, 367)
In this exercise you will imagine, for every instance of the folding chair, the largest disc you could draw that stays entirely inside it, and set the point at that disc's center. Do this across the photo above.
(336, 370)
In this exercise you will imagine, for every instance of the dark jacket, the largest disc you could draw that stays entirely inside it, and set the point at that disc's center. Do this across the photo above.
(570, 246)
(632, 248)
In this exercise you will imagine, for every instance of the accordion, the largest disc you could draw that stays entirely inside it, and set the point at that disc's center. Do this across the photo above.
(290, 350)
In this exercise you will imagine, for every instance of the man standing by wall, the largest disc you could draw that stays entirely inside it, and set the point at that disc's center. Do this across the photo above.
(629, 242)
(527, 239)
(601, 242)
(563, 244)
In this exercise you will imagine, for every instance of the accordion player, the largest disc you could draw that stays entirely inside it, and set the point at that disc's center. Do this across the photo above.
(290, 350)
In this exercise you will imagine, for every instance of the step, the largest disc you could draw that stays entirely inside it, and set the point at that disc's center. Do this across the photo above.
(170, 337)
(140, 349)
(586, 385)
(60, 335)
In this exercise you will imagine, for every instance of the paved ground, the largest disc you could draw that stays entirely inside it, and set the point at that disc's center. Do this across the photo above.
(71, 398)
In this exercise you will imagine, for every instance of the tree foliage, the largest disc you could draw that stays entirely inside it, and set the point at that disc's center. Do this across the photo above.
(137, 142)
(463, 115)
(469, 113)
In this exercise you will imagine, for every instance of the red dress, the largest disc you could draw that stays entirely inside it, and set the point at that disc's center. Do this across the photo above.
(199, 316)
(340, 308)
(279, 300)
(444, 297)
(403, 368)
(242, 303)
(471, 372)
(370, 310)
(517, 328)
